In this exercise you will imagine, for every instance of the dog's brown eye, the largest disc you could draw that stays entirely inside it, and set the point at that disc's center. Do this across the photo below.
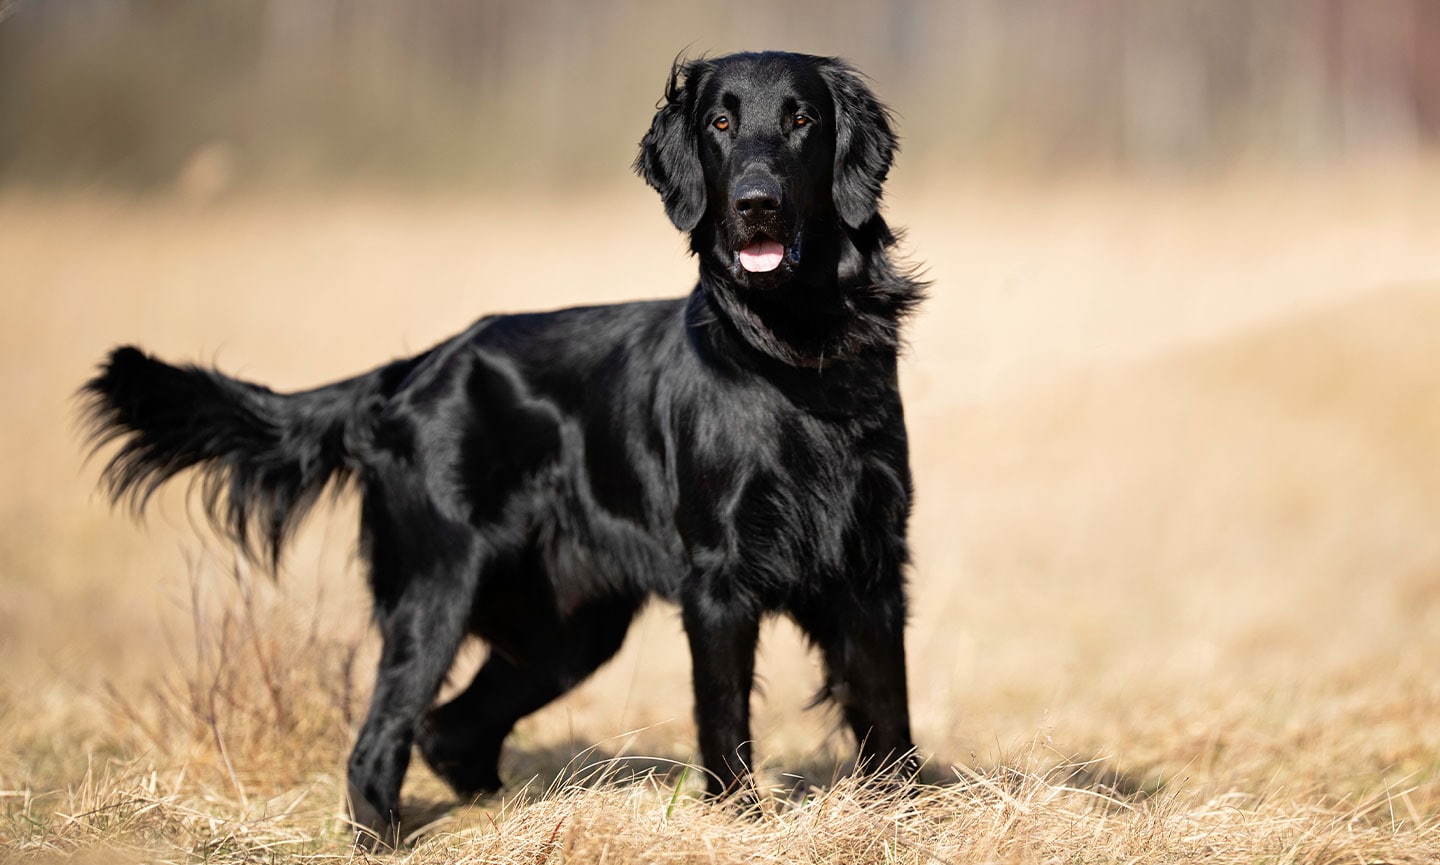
(802, 120)
(721, 123)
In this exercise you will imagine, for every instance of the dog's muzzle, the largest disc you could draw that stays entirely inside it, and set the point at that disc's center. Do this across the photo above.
(762, 243)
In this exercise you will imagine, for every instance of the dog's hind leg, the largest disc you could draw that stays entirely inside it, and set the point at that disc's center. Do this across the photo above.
(461, 740)
(422, 589)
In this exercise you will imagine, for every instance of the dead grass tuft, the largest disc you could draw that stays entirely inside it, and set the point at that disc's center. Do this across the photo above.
(1004, 815)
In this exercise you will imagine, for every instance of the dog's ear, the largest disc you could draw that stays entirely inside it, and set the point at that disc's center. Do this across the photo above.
(864, 144)
(669, 157)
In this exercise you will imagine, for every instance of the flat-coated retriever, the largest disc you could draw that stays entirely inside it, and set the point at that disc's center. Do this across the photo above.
(534, 480)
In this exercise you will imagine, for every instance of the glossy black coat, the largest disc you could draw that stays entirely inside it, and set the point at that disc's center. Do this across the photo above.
(534, 480)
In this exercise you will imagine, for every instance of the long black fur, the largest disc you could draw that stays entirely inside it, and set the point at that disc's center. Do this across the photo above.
(535, 479)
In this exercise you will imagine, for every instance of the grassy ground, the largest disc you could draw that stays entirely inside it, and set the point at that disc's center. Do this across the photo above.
(1177, 581)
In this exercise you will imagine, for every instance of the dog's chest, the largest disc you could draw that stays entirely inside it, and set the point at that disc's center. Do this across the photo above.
(779, 496)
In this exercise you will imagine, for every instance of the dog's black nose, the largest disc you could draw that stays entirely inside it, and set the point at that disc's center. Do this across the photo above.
(757, 196)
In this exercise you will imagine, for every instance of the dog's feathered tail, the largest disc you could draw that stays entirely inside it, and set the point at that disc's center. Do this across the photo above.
(264, 457)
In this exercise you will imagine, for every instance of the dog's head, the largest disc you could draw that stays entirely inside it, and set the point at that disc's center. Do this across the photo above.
(753, 153)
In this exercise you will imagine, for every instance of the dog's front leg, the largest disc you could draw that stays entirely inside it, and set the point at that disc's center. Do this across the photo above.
(722, 634)
(862, 637)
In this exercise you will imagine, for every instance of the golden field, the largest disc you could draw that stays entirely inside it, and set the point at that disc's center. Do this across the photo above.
(1176, 589)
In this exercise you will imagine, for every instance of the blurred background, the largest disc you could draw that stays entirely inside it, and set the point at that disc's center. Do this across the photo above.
(147, 94)
(1174, 398)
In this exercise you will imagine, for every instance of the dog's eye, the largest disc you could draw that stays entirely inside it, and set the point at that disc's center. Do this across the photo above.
(801, 120)
(721, 123)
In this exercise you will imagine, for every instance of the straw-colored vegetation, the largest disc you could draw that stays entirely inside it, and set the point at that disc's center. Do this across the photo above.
(1177, 581)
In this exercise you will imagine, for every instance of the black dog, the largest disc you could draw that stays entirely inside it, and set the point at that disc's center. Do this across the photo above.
(535, 479)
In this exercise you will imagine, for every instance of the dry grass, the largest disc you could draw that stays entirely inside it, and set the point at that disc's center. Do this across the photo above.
(1177, 591)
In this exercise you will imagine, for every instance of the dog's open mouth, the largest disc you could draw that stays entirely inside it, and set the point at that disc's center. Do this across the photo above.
(762, 255)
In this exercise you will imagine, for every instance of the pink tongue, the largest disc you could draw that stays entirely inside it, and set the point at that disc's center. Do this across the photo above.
(761, 256)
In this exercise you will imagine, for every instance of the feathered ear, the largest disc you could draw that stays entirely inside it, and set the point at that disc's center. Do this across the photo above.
(864, 144)
(669, 157)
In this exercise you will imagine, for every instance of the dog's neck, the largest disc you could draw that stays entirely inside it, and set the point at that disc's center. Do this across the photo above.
(818, 320)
